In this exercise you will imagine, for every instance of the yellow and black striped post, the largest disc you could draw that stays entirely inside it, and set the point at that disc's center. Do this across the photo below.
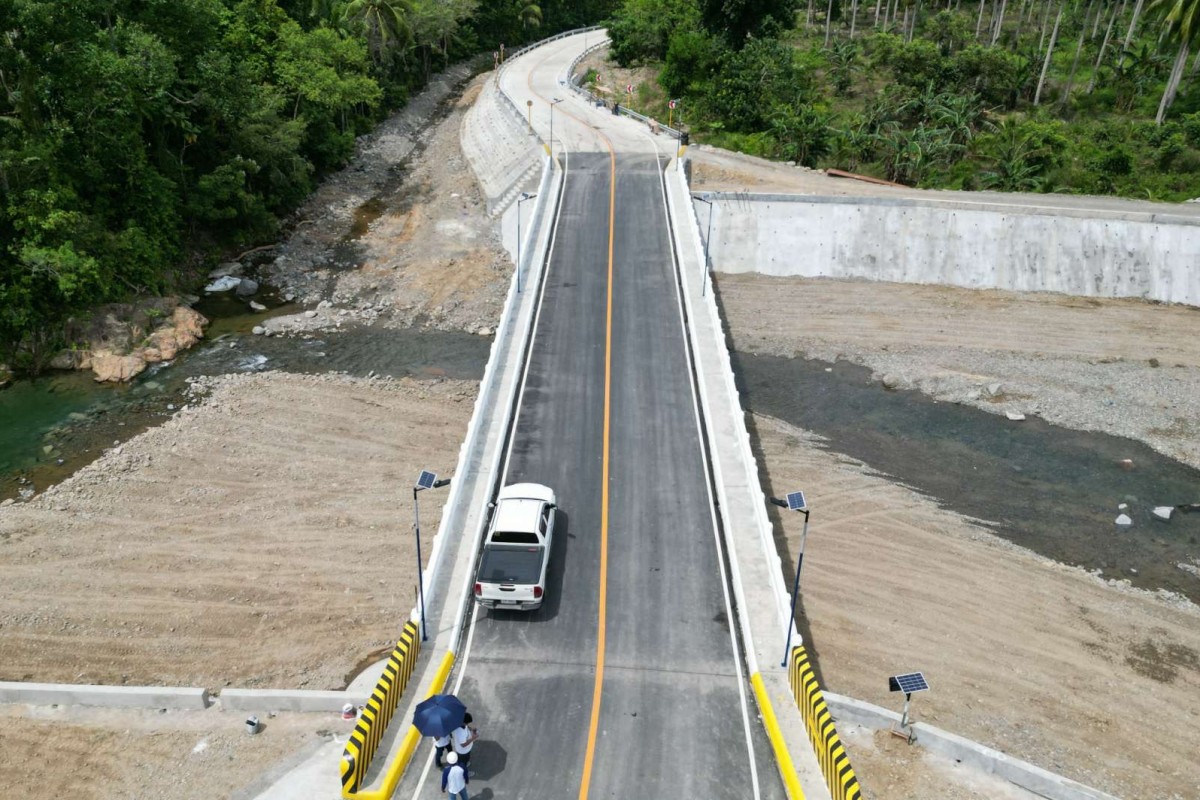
(831, 755)
(373, 723)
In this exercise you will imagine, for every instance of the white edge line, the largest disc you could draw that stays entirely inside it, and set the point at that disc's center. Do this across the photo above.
(712, 509)
(461, 667)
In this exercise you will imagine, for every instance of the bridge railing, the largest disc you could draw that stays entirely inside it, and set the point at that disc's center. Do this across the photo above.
(575, 82)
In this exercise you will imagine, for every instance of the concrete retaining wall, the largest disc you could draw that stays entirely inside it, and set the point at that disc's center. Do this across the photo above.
(972, 244)
(500, 147)
(68, 694)
(287, 700)
(1021, 773)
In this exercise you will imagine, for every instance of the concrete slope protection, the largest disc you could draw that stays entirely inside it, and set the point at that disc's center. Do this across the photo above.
(667, 715)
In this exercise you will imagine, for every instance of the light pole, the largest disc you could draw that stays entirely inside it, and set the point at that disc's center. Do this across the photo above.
(794, 502)
(524, 196)
(426, 480)
(707, 239)
(552, 105)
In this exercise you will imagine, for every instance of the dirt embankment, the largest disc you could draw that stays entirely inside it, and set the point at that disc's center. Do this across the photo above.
(1039, 660)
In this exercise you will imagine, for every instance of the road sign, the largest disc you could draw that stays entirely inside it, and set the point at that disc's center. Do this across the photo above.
(629, 88)
(672, 103)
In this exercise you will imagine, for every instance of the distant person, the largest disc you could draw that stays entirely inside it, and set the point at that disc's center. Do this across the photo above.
(455, 777)
(442, 743)
(463, 739)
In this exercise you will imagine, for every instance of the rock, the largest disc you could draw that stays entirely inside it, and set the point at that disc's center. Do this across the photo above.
(1123, 521)
(256, 306)
(258, 330)
(1122, 506)
(110, 367)
(225, 269)
(289, 297)
(7, 502)
(224, 284)
(484, 331)
(1015, 416)
(310, 314)
(1132, 571)
(246, 287)
(1163, 513)
(891, 381)
(994, 389)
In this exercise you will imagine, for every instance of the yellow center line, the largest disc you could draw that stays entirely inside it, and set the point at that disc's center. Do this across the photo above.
(598, 687)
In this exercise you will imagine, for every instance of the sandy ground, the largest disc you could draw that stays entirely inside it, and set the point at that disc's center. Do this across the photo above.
(182, 755)
(1095, 681)
(1125, 367)
(259, 539)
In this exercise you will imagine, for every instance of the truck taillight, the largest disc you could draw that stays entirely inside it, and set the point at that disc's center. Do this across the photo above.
(478, 590)
(537, 593)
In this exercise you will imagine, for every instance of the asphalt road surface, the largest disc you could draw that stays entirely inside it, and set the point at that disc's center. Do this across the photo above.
(668, 718)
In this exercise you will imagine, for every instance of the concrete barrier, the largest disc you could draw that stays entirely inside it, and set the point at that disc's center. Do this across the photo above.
(373, 723)
(1028, 776)
(822, 733)
(287, 700)
(69, 694)
(973, 243)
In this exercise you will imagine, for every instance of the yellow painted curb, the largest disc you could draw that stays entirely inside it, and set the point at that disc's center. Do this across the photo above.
(783, 759)
(409, 746)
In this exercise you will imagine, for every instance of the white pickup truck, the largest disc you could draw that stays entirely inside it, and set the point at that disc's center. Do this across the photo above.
(516, 552)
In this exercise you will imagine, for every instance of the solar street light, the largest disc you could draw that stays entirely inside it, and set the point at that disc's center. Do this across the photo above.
(556, 101)
(908, 683)
(426, 480)
(794, 502)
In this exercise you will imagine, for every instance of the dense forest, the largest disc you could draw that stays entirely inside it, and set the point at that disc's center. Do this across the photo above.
(1083, 96)
(141, 137)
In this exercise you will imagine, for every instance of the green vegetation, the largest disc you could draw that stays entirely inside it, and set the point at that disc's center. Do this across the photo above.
(137, 137)
(1085, 96)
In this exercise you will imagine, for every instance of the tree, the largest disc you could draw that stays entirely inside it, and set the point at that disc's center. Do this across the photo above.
(385, 23)
(802, 133)
(738, 20)
(1014, 158)
(1049, 52)
(1182, 23)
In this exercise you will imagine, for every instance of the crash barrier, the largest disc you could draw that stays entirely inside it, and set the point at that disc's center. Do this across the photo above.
(373, 722)
(574, 82)
(831, 755)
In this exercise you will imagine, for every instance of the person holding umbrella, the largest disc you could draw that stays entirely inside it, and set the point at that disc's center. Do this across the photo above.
(439, 716)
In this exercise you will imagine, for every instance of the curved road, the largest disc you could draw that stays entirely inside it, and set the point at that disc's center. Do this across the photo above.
(628, 682)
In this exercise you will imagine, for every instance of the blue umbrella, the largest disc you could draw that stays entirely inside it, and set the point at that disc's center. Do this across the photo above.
(439, 715)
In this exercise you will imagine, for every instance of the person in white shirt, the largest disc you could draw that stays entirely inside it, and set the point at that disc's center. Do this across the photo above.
(463, 739)
(455, 778)
(442, 743)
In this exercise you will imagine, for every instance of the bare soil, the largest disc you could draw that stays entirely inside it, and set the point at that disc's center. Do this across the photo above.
(126, 753)
(258, 539)
(1042, 661)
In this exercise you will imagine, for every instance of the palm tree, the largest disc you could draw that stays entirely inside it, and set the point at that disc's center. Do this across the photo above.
(1183, 24)
(1137, 10)
(1049, 52)
(1013, 160)
(530, 14)
(385, 23)
(1078, 51)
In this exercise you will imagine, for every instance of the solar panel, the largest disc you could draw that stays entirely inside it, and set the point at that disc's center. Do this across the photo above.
(912, 682)
(795, 501)
(426, 480)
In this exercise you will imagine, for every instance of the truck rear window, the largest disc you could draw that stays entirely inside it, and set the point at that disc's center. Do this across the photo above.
(514, 537)
(507, 564)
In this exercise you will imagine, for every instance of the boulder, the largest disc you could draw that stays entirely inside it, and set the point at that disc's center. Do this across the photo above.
(224, 284)
(226, 269)
(110, 367)
(256, 306)
(1123, 521)
(246, 287)
(1015, 416)
(1163, 513)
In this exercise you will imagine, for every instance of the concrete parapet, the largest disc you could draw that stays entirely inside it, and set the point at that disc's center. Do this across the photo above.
(1021, 773)
(972, 243)
(287, 700)
(68, 694)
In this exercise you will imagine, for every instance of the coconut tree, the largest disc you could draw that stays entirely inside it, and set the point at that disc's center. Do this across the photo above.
(385, 23)
(1182, 23)
(530, 14)
(1125, 45)
(1078, 51)
(1049, 52)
